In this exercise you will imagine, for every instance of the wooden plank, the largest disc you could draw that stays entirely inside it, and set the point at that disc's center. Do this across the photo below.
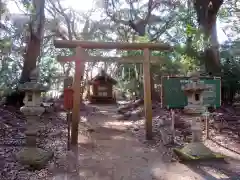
(76, 98)
(111, 45)
(147, 94)
(127, 59)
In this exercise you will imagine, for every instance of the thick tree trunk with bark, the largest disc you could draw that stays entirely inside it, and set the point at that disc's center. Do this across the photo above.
(30, 58)
(207, 15)
(34, 42)
(32, 50)
(211, 55)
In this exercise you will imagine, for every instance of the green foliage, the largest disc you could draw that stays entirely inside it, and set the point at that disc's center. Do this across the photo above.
(130, 78)
(230, 70)
(188, 64)
(9, 75)
(5, 43)
(175, 24)
(131, 75)
(190, 30)
(48, 70)
(28, 5)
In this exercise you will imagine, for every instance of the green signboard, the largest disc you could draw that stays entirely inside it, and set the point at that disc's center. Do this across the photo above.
(174, 97)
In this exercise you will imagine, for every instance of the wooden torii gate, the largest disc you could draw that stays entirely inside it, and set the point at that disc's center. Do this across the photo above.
(81, 56)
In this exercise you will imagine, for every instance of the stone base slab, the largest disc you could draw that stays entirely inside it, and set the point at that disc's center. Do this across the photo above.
(196, 151)
(34, 157)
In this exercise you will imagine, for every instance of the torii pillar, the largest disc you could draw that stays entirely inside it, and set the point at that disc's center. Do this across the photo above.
(79, 59)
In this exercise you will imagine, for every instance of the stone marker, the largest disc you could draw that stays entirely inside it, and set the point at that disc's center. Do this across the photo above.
(31, 155)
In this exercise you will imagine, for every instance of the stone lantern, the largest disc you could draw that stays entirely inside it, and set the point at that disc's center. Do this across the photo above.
(32, 155)
(194, 92)
(195, 150)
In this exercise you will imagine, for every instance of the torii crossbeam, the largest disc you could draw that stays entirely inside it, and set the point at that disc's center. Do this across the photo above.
(82, 56)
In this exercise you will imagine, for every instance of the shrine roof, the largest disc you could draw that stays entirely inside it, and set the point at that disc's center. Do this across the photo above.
(102, 75)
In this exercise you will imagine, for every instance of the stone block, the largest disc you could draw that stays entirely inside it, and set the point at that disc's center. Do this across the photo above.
(35, 158)
(196, 151)
(31, 132)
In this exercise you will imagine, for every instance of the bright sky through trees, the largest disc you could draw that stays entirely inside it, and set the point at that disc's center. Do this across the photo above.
(87, 5)
(84, 6)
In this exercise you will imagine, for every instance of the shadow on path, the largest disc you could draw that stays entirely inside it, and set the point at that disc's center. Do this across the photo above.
(215, 170)
(110, 152)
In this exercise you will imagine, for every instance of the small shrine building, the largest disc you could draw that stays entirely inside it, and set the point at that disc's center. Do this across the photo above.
(101, 88)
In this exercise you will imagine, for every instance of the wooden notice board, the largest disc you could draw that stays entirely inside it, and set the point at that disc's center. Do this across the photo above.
(174, 97)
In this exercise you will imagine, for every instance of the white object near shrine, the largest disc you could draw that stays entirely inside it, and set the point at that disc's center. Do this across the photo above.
(194, 92)
(31, 155)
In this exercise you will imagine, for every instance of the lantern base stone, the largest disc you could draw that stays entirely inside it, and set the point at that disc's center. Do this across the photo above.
(196, 151)
(34, 157)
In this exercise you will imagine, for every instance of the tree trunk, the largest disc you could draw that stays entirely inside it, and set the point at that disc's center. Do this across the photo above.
(30, 58)
(35, 38)
(207, 15)
(211, 55)
(32, 51)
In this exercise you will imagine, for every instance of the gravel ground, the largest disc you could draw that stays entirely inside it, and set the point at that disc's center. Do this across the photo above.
(53, 136)
(13, 139)
(103, 150)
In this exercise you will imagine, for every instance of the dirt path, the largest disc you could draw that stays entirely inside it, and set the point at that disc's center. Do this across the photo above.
(112, 153)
